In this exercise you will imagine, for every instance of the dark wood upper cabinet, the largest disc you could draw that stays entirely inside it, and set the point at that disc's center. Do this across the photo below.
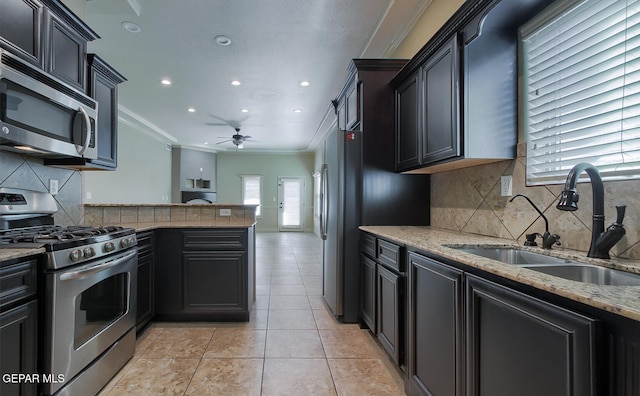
(467, 95)
(21, 29)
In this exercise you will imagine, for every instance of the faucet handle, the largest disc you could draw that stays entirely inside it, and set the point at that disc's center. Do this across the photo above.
(620, 209)
(531, 239)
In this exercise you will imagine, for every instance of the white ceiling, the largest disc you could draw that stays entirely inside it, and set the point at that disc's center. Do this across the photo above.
(276, 44)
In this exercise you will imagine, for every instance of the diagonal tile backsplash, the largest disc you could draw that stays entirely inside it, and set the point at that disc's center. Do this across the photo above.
(469, 200)
(17, 171)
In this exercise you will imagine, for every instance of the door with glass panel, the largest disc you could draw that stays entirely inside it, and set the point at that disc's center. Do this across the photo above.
(290, 203)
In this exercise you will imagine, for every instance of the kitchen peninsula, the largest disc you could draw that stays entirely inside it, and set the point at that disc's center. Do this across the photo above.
(195, 261)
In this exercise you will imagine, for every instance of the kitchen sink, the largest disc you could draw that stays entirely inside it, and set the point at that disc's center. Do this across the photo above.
(512, 255)
(588, 273)
(556, 266)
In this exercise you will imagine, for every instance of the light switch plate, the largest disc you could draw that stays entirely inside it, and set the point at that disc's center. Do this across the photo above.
(225, 212)
(53, 186)
(506, 186)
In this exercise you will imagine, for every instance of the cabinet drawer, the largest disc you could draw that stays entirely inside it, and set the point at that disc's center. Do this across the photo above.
(17, 281)
(215, 239)
(145, 243)
(368, 245)
(389, 255)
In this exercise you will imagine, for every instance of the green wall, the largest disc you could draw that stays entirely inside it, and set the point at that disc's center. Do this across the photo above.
(230, 166)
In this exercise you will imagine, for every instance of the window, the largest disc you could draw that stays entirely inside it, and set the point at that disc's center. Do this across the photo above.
(252, 192)
(581, 94)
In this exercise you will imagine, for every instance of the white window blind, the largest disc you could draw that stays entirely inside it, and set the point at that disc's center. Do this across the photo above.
(252, 192)
(581, 67)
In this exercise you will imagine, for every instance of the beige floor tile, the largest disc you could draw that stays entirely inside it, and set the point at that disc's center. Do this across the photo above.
(262, 302)
(347, 343)
(297, 377)
(236, 343)
(144, 341)
(289, 302)
(293, 344)
(156, 376)
(288, 290)
(317, 302)
(263, 290)
(363, 377)
(227, 377)
(325, 319)
(291, 319)
(258, 319)
(180, 342)
(286, 279)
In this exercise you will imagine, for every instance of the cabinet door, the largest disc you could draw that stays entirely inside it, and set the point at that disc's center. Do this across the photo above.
(353, 110)
(20, 31)
(389, 312)
(103, 87)
(18, 340)
(67, 51)
(368, 289)
(407, 124)
(440, 125)
(145, 310)
(519, 345)
(214, 281)
(435, 335)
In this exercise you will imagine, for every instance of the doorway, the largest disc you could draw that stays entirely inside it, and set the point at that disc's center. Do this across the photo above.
(291, 203)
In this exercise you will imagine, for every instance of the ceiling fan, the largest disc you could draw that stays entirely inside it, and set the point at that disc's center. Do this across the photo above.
(237, 139)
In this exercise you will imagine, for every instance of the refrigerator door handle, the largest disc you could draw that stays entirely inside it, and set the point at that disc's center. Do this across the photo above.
(324, 200)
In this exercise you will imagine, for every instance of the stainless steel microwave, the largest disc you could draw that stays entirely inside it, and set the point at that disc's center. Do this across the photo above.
(41, 115)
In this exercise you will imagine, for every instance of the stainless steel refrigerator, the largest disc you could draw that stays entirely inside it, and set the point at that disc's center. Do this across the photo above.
(340, 216)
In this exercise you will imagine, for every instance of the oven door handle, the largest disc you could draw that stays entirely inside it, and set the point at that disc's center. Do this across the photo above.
(97, 268)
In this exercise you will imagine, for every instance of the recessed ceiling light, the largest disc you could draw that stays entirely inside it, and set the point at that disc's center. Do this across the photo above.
(236, 82)
(131, 27)
(165, 81)
(222, 40)
(304, 83)
(244, 110)
(205, 143)
(297, 111)
(191, 110)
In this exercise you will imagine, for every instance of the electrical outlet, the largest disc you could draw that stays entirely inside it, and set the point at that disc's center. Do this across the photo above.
(225, 212)
(505, 186)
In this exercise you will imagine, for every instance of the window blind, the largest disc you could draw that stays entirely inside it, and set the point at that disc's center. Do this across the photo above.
(252, 192)
(581, 68)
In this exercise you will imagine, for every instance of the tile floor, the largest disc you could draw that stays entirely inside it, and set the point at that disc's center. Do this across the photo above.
(291, 346)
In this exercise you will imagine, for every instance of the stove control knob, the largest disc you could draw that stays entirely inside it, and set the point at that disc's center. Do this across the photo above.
(109, 247)
(75, 255)
(89, 252)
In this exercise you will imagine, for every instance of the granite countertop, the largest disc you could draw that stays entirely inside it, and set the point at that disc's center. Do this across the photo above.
(621, 300)
(10, 253)
(148, 226)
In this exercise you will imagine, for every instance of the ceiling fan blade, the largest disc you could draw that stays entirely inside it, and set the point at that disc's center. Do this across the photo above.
(224, 141)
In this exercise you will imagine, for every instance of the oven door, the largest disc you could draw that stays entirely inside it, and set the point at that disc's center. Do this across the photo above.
(90, 308)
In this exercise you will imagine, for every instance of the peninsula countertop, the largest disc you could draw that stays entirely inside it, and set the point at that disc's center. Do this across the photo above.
(621, 300)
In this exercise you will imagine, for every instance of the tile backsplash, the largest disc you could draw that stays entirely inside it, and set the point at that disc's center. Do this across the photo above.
(469, 200)
(17, 171)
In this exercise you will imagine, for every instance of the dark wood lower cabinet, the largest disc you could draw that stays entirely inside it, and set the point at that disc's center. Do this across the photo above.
(368, 289)
(390, 316)
(205, 274)
(520, 345)
(18, 352)
(214, 281)
(435, 347)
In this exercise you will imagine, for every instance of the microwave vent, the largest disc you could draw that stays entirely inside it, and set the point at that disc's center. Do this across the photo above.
(43, 78)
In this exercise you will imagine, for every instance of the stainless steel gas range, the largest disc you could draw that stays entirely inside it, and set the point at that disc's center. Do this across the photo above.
(88, 293)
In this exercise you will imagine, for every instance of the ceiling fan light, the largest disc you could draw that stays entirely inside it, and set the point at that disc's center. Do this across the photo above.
(240, 146)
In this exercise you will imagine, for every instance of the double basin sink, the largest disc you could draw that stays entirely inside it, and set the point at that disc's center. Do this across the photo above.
(556, 266)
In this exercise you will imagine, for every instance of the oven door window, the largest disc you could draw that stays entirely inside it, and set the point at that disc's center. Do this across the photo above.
(99, 306)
